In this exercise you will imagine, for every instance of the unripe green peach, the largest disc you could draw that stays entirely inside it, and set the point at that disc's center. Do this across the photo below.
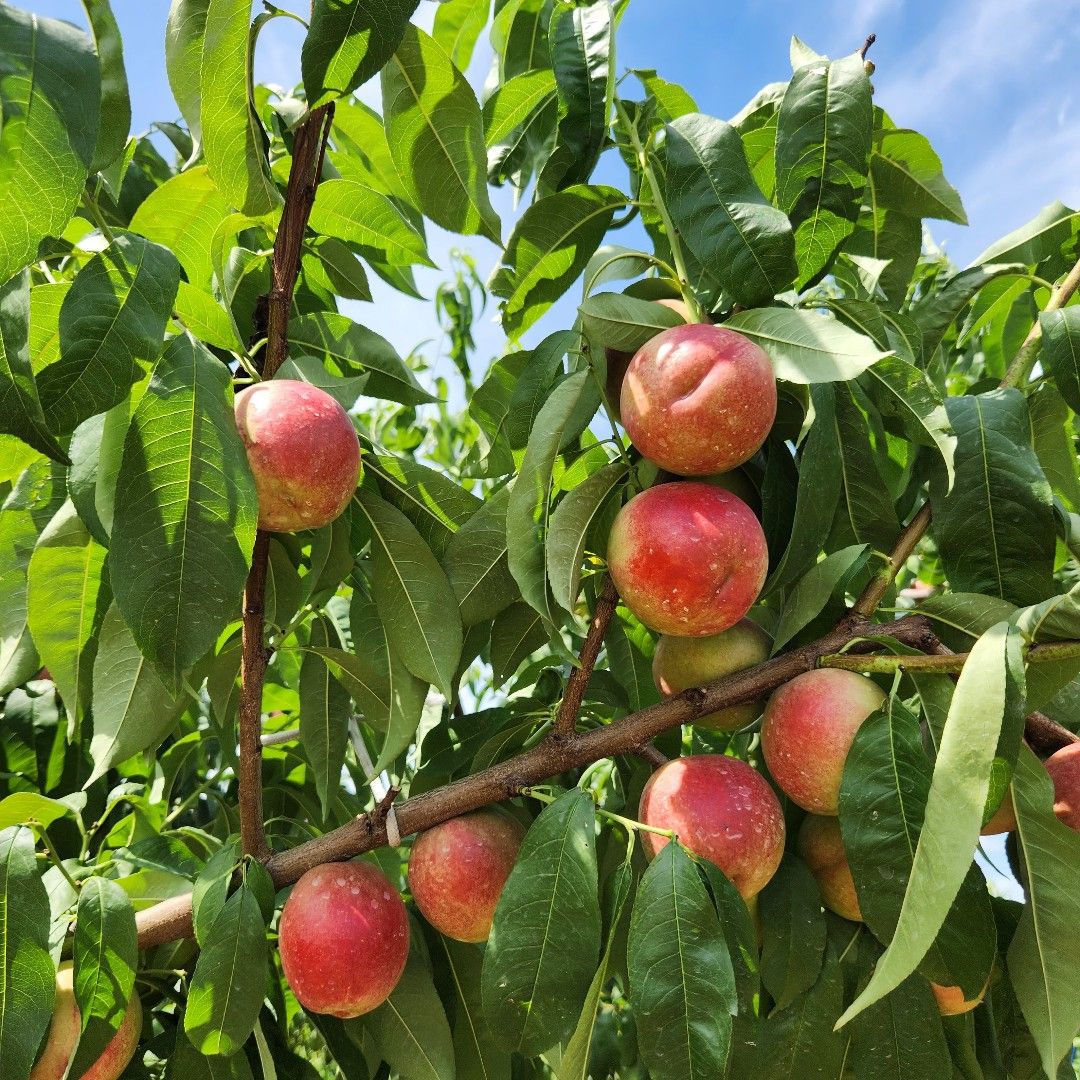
(680, 663)
(821, 847)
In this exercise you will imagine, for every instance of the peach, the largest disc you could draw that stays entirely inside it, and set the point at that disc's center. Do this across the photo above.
(698, 399)
(64, 1031)
(457, 871)
(951, 1000)
(809, 726)
(1003, 819)
(303, 452)
(1064, 769)
(343, 938)
(682, 662)
(821, 847)
(688, 558)
(723, 811)
(618, 361)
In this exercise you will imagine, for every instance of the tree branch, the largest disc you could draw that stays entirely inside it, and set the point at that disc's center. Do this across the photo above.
(548, 759)
(578, 683)
(309, 148)
(1025, 358)
(941, 662)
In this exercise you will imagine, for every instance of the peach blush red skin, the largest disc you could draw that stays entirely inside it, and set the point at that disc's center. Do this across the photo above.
(808, 729)
(1064, 770)
(343, 939)
(457, 871)
(303, 452)
(821, 847)
(687, 558)
(723, 811)
(698, 399)
(680, 663)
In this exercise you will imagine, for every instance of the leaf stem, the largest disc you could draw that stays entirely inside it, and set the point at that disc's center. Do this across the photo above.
(1024, 361)
(43, 835)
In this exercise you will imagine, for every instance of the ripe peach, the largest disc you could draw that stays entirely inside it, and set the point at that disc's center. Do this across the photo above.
(1064, 770)
(687, 558)
(63, 1037)
(821, 847)
(809, 726)
(951, 1000)
(682, 662)
(343, 938)
(723, 811)
(698, 399)
(618, 361)
(303, 452)
(457, 871)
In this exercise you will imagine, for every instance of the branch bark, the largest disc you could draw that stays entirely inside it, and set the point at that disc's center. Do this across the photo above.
(941, 662)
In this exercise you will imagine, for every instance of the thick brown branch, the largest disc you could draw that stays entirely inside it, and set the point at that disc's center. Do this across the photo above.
(1044, 735)
(546, 760)
(578, 683)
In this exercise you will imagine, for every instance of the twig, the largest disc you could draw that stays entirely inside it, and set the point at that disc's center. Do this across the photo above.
(940, 661)
(1025, 358)
(276, 738)
(578, 683)
(870, 39)
(652, 755)
(1044, 735)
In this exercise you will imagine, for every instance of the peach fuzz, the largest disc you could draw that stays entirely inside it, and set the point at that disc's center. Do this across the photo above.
(618, 361)
(809, 726)
(680, 663)
(698, 399)
(343, 938)
(723, 811)
(303, 452)
(688, 558)
(63, 1037)
(1064, 769)
(821, 846)
(457, 871)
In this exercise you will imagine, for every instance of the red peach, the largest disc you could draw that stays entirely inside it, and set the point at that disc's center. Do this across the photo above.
(303, 452)
(809, 726)
(64, 1031)
(457, 871)
(618, 361)
(682, 662)
(723, 811)
(1064, 770)
(343, 938)
(687, 558)
(821, 847)
(698, 399)
(951, 1000)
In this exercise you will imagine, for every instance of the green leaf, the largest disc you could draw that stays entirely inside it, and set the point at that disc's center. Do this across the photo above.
(211, 889)
(517, 632)
(545, 939)
(97, 448)
(115, 116)
(67, 596)
(185, 493)
(985, 694)
(823, 138)
(186, 1063)
(581, 41)
(1060, 355)
(549, 247)
(325, 709)
(436, 136)
(18, 657)
(112, 325)
(361, 215)
(569, 530)
(1052, 441)
(106, 955)
(529, 508)
(204, 318)
(233, 140)
(49, 98)
(886, 783)
(458, 24)
(805, 347)
(907, 177)
(184, 33)
(477, 1053)
(717, 208)
(1038, 239)
(27, 975)
(414, 597)
(28, 806)
(889, 236)
(625, 322)
(133, 710)
(229, 980)
(514, 101)
(983, 548)
(1045, 949)
(682, 985)
(793, 944)
(349, 41)
(20, 407)
(352, 348)
(476, 564)
(810, 594)
(410, 1027)
(310, 369)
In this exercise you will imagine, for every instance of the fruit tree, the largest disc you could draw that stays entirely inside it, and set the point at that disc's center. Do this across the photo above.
(688, 691)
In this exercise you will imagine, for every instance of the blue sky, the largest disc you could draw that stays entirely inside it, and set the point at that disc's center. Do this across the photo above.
(992, 83)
